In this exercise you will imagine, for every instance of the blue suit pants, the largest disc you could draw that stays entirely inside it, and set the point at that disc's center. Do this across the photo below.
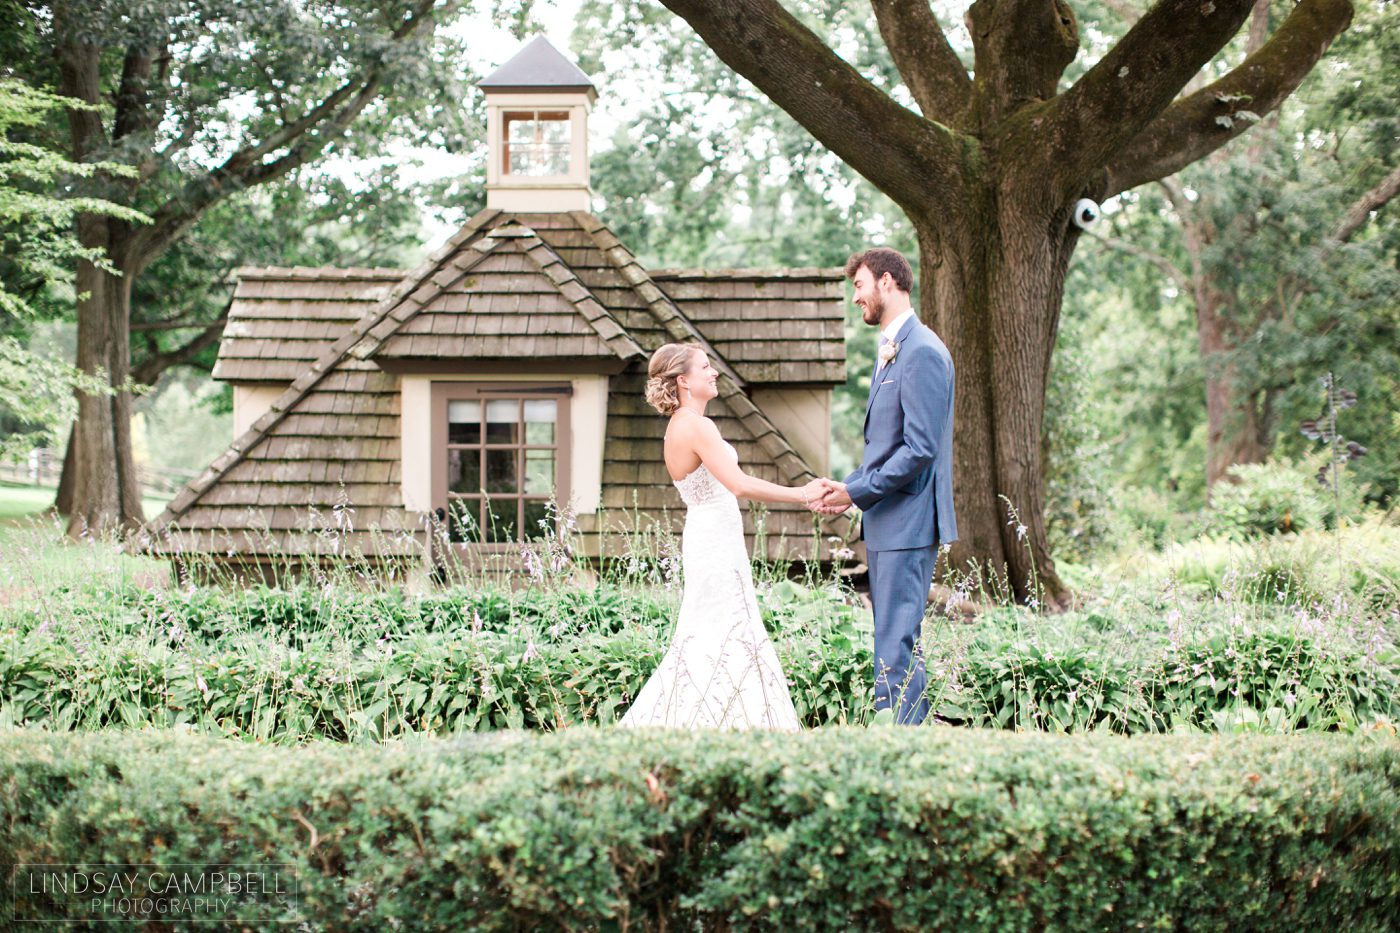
(899, 584)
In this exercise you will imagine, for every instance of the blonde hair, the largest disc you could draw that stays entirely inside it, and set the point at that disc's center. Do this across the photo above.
(666, 364)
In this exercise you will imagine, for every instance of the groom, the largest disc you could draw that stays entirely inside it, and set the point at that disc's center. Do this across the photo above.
(904, 486)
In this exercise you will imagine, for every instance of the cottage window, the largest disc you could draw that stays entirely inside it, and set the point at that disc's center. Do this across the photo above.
(500, 455)
(536, 143)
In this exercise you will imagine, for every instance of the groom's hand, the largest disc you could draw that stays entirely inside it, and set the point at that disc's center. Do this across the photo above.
(835, 501)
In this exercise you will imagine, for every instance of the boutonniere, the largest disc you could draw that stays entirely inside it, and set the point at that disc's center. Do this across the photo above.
(888, 352)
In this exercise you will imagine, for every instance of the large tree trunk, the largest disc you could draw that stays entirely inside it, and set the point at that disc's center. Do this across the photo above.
(991, 288)
(63, 501)
(102, 493)
(1240, 417)
(988, 171)
(1237, 432)
(105, 492)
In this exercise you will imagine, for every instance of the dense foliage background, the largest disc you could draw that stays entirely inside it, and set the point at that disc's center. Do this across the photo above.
(1212, 721)
(702, 170)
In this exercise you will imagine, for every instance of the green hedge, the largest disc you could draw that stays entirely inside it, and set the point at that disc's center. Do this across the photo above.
(839, 829)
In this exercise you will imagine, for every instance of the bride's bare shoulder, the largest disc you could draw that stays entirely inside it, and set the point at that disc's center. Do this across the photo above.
(685, 423)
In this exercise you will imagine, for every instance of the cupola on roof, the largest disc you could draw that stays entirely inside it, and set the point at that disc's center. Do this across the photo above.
(537, 107)
(538, 67)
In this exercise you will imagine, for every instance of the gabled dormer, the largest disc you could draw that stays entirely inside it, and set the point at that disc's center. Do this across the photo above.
(537, 107)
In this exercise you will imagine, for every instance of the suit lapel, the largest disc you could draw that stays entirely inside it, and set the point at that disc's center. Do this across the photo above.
(874, 387)
(878, 379)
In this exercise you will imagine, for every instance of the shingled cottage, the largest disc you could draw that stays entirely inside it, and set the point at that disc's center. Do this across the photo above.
(505, 371)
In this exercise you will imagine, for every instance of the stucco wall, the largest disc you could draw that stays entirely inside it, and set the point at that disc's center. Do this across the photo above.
(804, 417)
(250, 402)
(588, 409)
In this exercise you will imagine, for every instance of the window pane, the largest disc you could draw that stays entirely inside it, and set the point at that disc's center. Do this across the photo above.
(553, 129)
(500, 519)
(464, 422)
(502, 416)
(554, 160)
(463, 525)
(537, 144)
(520, 128)
(464, 471)
(537, 160)
(539, 472)
(536, 511)
(500, 471)
(539, 420)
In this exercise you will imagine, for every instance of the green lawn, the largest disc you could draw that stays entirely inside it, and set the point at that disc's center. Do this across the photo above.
(36, 557)
(18, 502)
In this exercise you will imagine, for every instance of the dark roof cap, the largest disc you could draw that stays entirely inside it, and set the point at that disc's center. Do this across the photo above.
(536, 67)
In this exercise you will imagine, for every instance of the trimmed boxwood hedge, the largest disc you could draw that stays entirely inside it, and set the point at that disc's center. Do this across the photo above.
(843, 828)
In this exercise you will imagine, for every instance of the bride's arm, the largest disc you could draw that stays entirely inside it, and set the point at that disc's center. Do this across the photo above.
(714, 453)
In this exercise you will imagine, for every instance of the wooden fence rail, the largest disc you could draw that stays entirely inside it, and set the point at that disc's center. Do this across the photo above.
(44, 466)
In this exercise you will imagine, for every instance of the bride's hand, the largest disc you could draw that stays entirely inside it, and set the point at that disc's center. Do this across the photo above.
(813, 492)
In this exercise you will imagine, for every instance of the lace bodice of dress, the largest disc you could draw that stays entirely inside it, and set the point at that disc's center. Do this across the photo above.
(701, 488)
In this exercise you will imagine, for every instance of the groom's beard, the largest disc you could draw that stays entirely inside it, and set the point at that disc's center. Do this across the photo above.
(874, 310)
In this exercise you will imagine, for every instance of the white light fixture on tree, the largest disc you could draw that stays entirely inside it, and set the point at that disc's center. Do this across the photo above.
(1086, 212)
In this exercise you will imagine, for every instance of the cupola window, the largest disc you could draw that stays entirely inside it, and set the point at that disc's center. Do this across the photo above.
(536, 143)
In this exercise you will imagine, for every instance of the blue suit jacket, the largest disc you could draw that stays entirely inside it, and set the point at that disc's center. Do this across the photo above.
(904, 486)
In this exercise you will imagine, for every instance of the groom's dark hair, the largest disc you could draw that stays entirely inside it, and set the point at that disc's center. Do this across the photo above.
(880, 260)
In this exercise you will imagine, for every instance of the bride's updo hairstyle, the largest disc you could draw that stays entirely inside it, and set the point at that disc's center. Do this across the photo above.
(667, 363)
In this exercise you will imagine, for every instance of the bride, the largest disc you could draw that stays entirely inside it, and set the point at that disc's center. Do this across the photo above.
(720, 670)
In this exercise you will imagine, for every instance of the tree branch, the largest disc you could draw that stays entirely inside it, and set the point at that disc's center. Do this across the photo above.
(183, 323)
(1020, 49)
(930, 68)
(857, 121)
(1356, 216)
(246, 167)
(150, 369)
(1195, 126)
(1258, 27)
(1352, 220)
(1130, 13)
(133, 110)
(1169, 268)
(1131, 85)
(1176, 195)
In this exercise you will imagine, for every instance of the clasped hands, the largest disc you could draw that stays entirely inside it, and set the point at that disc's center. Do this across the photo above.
(826, 497)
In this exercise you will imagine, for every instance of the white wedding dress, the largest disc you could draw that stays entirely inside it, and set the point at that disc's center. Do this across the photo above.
(720, 670)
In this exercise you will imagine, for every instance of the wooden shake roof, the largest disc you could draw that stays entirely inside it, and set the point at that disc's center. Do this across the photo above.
(282, 319)
(507, 286)
(783, 326)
